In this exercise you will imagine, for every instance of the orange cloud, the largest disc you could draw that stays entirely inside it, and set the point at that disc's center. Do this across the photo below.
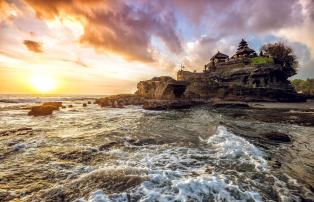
(114, 26)
(33, 46)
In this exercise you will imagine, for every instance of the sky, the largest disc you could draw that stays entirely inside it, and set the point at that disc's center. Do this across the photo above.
(107, 46)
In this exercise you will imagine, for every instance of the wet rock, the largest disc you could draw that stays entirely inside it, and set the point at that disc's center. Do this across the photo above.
(55, 104)
(118, 101)
(166, 104)
(230, 105)
(84, 105)
(70, 106)
(107, 146)
(142, 142)
(276, 164)
(89, 102)
(18, 147)
(83, 156)
(42, 110)
(16, 132)
(6, 195)
(117, 104)
(277, 136)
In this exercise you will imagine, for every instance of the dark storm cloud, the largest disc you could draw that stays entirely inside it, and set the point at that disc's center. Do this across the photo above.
(33, 46)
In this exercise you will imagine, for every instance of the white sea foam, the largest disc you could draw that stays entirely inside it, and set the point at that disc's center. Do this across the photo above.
(179, 173)
(229, 146)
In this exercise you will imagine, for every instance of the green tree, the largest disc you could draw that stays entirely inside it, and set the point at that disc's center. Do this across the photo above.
(282, 55)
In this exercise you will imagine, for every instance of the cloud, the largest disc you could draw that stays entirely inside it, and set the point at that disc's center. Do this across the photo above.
(115, 26)
(33, 46)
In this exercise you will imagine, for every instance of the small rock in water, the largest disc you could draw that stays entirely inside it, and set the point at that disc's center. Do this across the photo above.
(42, 110)
(70, 106)
(107, 146)
(84, 105)
(89, 102)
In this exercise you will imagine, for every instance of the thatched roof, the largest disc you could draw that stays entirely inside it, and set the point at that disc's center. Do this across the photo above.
(219, 55)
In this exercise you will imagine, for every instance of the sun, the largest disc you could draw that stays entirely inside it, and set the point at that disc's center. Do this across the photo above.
(43, 83)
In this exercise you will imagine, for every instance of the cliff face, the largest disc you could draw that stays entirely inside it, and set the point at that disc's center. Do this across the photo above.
(163, 87)
(267, 82)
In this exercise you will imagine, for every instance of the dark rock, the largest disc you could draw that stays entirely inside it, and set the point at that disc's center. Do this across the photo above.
(89, 102)
(277, 136)
(167, 104)
(42, 110)
(276, 164)
(107, 146)
(142, 142)
(70, 106)
(230, 105)
(84, 105)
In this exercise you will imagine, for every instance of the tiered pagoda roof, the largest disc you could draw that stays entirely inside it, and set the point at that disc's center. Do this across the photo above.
(244, 49)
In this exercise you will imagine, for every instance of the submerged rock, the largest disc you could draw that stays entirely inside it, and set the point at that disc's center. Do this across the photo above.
(167, 104)
(42, 110)
(84, 105)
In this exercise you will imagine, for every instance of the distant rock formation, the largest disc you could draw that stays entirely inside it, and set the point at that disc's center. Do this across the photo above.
(243, 77)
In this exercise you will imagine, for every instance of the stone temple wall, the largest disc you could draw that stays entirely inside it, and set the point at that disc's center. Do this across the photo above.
(249, 83)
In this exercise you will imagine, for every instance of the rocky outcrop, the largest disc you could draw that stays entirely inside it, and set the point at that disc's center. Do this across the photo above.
(119, 101)
(163, 87)
(43, 110)
(166, 104)
(265, 82)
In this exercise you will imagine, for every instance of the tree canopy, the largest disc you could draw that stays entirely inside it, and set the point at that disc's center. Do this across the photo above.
(282, 55)
(304, 86)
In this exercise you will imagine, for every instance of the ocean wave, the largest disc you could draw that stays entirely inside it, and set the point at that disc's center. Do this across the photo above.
(188, 174)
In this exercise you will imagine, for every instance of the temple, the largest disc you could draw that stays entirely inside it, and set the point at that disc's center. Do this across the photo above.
(244, 76)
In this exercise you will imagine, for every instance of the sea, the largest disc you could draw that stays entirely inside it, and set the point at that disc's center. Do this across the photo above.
(99, 154)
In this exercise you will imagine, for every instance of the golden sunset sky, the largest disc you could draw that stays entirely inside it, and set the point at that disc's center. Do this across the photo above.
(107, 46)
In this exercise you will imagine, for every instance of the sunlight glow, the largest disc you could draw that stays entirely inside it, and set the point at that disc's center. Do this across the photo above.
(43, 83)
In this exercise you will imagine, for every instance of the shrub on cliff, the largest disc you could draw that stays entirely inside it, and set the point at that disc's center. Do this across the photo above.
(261, 60)
(304, 86)
(282, 55)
